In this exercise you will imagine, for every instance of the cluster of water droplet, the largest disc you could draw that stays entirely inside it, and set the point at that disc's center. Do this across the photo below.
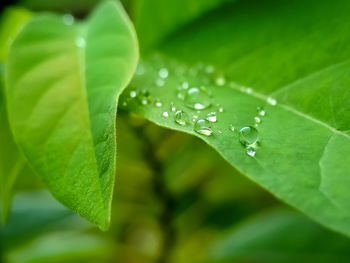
(201, 113)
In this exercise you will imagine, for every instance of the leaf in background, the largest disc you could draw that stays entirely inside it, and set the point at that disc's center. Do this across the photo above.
(12, 20)
(12, 162)
(77, 7)
(63, 82)
(63, 246)
(40, 231)
(156, 19)
(295, 51)
(280, 236)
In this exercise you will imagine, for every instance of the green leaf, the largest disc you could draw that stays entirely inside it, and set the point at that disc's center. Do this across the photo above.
(295, 51)
(156, 19)
(280, 236)
(63, 83)
(12, 162)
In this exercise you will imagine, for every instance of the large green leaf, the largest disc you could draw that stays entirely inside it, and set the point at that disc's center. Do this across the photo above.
(280, 236)
(295, 51)
(63, 82)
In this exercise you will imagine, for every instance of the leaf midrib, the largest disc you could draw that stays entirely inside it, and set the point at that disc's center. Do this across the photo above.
(264, 97)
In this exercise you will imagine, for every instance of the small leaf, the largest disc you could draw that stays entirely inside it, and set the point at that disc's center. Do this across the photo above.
(63, 83)
(284, 59)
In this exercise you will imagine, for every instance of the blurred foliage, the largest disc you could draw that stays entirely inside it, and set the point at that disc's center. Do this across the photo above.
(206, 212)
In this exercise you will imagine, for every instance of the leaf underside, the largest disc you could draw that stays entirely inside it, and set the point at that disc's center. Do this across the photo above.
(63, 83)
(294, 51)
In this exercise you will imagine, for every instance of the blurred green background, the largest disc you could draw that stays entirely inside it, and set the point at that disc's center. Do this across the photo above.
(176, 199)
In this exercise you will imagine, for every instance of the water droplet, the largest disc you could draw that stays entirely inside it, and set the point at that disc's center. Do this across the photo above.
(248, 135)
(251, 151)
(220, 81)
(173, 109)
(144, 97)
(203, 127)
(257, 120)
(221, 109)
(185, 85)
(68, 19)
(158, 103)
(80, 42)
(220, 131)
(197, 99)
(231, 127)
(271, 101)
(211, 117)
(133, 94)
(209, 69)
(261, 111)
(163, 73)
(249, 90)
(181, 117)
(165, 114)
(160, 82)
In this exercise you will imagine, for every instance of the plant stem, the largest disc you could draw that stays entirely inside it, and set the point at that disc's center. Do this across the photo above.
(163, 195)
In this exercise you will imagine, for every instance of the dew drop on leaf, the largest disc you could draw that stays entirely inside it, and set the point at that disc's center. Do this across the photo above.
(165, 114)
(163, 73)
(231, 127)
(271, 101)
(197, 99)
(209, 69)
(203, 127)
(133, 94)
(160, 82)
(211, 117)
(80, 42)
(144, 97)
(251, 151)
(181, 117)
(248, 135)
(257, 120)
(249, 90)
(68, 19)
(185, 85)
(220, 81)
(261, 111)
(158, 103)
